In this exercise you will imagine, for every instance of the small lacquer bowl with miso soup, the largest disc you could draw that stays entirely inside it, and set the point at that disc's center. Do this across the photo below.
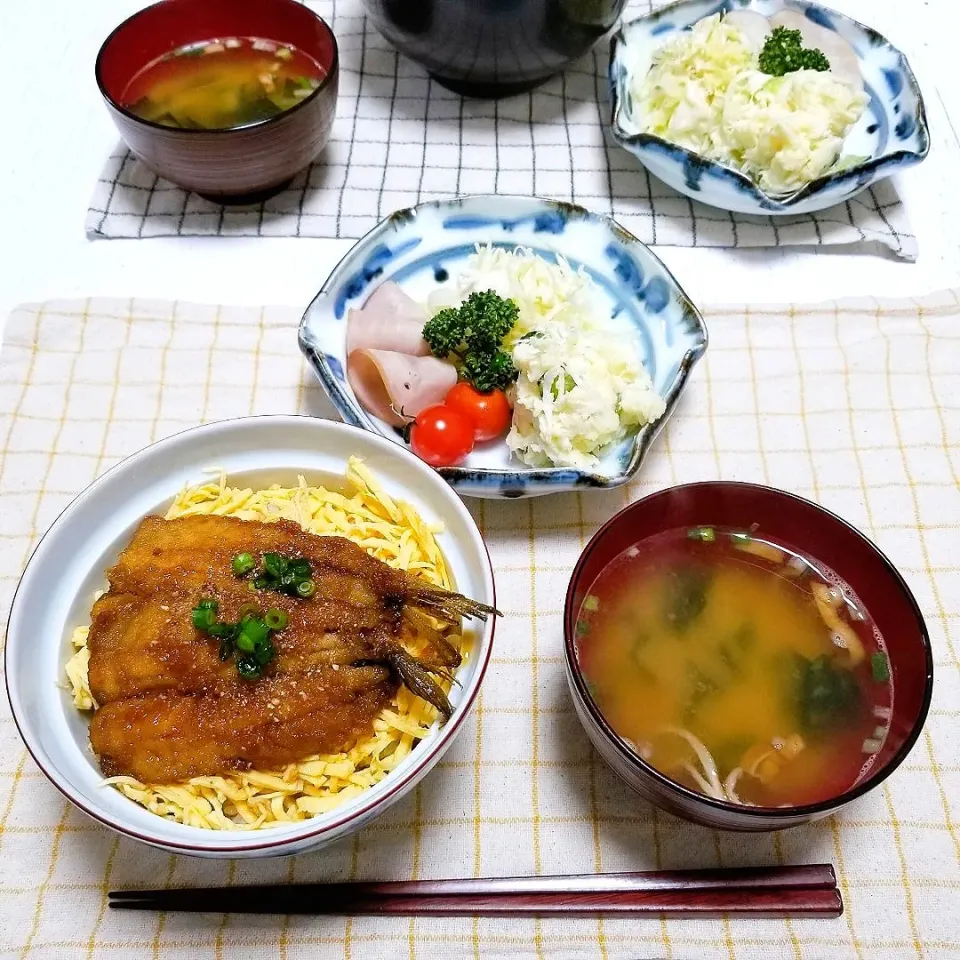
(230, 98)
(743, 658)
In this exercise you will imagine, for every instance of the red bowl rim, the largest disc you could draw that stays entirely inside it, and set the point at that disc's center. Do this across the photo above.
(332, 72)
(317, 832)
(761, 813)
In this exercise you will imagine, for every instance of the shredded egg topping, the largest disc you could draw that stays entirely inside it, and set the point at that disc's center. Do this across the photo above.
(388, 529)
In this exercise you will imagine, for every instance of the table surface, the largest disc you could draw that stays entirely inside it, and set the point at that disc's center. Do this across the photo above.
(56, 136)
(53, 144)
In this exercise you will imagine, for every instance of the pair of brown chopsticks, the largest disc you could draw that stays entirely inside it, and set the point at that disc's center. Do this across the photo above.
(803, 891)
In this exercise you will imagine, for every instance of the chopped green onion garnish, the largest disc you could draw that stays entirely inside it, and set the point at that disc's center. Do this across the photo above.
(243, 563)
(591, 602)
(248, 668)
(879, 667)
(275, 619)
(249, 636)
(300, 567)
(265, 653)
(306, 589)
(223, 631)
(285, 575)
(203, 619)
(205, 614)
(706, 534)
(739, 537)
(583, 628)
(255, 629)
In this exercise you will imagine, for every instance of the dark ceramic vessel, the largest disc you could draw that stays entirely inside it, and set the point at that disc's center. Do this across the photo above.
(242, 164)
(817, 533)
(494, 48)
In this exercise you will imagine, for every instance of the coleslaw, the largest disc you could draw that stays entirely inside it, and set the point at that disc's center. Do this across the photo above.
(581, 384)
(704, 92)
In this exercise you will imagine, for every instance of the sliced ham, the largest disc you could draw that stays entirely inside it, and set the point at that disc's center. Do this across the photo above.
(844, 62)
(389, 320)
(386, 382)
(754, 27)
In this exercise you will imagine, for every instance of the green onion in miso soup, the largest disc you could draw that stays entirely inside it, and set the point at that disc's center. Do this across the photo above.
(222, 84)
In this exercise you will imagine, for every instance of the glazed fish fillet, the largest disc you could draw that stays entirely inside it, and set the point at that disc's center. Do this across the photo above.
(168, 737)
(170, 709)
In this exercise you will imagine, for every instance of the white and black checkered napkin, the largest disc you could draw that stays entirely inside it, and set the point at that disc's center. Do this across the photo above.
(400, 139)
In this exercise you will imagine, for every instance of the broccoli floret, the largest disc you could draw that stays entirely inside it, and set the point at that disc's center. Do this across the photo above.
(783, 52)
(471, 334)
(486, 319)
(479, 325)
(443, 332)
(489, 371)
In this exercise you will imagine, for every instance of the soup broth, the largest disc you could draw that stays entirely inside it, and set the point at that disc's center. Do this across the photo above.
(736, 666)
(221, 84)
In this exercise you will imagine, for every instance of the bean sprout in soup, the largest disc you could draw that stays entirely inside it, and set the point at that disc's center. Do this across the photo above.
(736, 666)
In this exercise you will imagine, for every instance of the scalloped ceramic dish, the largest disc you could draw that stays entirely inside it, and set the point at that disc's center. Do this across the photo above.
(892, 132)
(421, 247)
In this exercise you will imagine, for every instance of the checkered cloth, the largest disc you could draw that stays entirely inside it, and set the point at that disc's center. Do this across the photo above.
(400, 138)
(853, 404)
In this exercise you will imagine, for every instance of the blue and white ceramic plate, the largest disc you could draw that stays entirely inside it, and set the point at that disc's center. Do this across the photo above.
(892, 132)
(422, 247)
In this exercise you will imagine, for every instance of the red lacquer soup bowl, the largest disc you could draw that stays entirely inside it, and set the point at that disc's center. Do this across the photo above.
(240, 164)
(823, 537)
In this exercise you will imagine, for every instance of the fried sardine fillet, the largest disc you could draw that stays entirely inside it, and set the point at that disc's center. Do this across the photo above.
(170, 709)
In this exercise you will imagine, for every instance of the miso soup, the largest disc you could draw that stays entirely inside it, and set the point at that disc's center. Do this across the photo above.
(736, 666)
(221, 84)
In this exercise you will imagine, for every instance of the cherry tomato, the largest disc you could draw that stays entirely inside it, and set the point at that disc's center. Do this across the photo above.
(489, 412)
(441, 436)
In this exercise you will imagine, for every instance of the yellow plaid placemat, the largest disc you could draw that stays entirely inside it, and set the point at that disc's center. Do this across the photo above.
(852, 404)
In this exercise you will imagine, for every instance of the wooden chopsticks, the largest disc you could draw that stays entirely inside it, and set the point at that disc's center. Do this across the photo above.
(806, 891)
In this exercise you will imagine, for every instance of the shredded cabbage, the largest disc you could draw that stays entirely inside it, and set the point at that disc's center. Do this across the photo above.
(581, 385)
(705, 92)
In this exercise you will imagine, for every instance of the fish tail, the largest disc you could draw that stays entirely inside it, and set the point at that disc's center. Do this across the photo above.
(449, 606)
(415, 676)
(444, 651)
